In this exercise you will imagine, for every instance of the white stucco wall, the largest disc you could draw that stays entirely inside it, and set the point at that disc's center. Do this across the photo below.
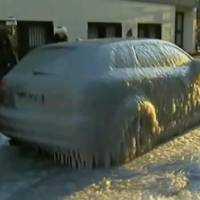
(74, 14)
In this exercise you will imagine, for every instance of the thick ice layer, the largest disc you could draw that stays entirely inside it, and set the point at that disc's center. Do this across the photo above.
(100, 103)
(169, 172)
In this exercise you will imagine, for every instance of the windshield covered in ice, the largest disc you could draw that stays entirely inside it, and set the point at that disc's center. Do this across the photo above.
(144, 54)
(160, 55)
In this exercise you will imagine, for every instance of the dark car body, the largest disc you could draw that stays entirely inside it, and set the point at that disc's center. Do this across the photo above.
(101, 102)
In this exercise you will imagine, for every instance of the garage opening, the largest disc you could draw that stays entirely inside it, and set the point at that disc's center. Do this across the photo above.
(104, 30)
(149, 31)
(32, 34)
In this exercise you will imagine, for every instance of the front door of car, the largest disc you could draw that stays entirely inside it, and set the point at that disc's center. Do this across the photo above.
(171, 81)
(180, 60)
(194, 75)
(184, 81)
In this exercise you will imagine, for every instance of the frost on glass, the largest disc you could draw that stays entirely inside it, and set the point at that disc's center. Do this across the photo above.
(101, 103)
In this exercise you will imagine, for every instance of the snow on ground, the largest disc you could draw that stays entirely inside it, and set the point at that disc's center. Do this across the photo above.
(172, 171)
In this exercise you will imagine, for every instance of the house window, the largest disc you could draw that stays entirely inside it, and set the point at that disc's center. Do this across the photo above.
(104, 30)
(149, 31)
(179, 29)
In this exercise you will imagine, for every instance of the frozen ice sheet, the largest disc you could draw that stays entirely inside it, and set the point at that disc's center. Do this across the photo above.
(171, 171)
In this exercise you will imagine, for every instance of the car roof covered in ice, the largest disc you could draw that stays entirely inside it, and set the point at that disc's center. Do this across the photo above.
(105, 42)
(100, 55)
(110, 44)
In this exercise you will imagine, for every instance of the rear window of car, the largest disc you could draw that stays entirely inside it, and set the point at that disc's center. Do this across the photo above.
(63, 59)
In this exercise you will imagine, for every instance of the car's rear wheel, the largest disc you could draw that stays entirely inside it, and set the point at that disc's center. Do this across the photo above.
(143, 136)
(136, 130)
(137, 137)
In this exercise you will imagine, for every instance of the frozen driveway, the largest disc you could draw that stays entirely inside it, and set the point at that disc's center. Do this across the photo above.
(171, 171)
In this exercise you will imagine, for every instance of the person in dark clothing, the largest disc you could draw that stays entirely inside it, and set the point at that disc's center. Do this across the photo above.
(60, 38)
(60, 35)
(7, 56)
(129, 33)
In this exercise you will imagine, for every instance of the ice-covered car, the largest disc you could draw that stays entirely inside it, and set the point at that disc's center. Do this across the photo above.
(102, 102)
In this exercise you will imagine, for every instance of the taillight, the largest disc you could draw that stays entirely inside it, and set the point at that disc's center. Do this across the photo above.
(2, 85)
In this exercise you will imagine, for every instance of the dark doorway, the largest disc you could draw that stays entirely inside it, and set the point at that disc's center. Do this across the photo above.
(2, 22)
(149, 31)
(179, 29)
(33, 34)
(104, 30)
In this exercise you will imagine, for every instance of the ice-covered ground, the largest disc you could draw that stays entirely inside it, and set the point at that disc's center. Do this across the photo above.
(172, 171)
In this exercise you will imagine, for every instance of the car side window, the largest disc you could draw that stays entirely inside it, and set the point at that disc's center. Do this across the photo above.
(174, 56)
(149, 55)
(123, 56)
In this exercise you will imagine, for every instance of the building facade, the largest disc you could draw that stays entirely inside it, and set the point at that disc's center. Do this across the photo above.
(171, 20)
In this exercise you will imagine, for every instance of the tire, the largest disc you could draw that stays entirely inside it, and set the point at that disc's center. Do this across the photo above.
(137, 138)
